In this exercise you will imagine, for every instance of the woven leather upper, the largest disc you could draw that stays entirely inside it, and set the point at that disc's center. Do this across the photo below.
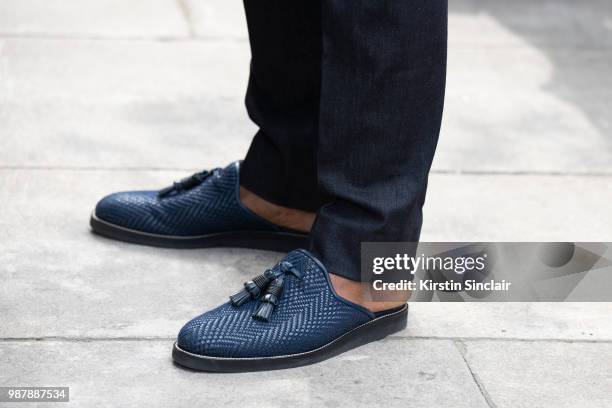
(213, 206)
(309, 314)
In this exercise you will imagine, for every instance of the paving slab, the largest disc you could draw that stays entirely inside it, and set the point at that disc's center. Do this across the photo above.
(510, 128)
(517, 208)
(519, 374)
(128, 373)
(104, 72)
(58, 279)
(156, 104)
(546, 23)
(108, 104)
(217, 18)
(524, 110)
(194, 133)
(526, 321)
(93, 18)
(551, 23)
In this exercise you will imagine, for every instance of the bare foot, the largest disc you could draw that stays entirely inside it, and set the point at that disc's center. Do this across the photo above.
(282, 216)
(357, 292)
(302, 221)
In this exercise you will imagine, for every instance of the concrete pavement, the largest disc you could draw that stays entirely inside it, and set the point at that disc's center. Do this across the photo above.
(105, 95)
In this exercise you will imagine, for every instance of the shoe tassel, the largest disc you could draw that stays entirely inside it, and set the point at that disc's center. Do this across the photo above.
(269, 301)
(252, 289)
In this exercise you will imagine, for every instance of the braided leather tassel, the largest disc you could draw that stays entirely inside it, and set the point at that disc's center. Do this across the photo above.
(288, 267)
(165, 191)
(185, 183)
(252, 289)
(270, 300)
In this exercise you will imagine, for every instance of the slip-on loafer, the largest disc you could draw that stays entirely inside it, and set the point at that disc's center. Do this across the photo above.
(288, 316)
(200, 211)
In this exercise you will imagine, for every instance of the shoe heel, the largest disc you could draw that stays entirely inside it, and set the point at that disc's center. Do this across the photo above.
(390, 324)
(382, 327)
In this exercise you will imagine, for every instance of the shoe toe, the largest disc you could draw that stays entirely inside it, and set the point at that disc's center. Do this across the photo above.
(187, 338)
(126, 209)
(195, 338)
(222, 332)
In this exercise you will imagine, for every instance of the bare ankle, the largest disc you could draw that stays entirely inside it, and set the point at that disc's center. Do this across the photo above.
(282, 216)
(357, 292)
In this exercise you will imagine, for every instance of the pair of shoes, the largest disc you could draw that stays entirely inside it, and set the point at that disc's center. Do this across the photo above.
(288, 316)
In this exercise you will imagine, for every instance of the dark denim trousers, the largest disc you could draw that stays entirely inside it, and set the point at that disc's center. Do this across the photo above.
(348, 97)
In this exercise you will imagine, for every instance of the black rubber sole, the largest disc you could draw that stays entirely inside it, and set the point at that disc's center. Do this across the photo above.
(375, 329)
(268, 240)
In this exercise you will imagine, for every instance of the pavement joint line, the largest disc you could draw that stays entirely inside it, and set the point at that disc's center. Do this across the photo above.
(193, 37)
(135, 38)
(520, 173)
(186, 13)
(462, 348)
(503, 339)
(463, 340)
(77, 339)
(435, 171)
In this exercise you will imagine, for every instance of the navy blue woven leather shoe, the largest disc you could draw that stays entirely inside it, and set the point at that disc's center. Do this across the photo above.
(287, 317)
(203, 210)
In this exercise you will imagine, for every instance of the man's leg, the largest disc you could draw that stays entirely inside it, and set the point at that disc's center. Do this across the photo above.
(382, 92)
(383, 66)
(277, 180)
(283, 100)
